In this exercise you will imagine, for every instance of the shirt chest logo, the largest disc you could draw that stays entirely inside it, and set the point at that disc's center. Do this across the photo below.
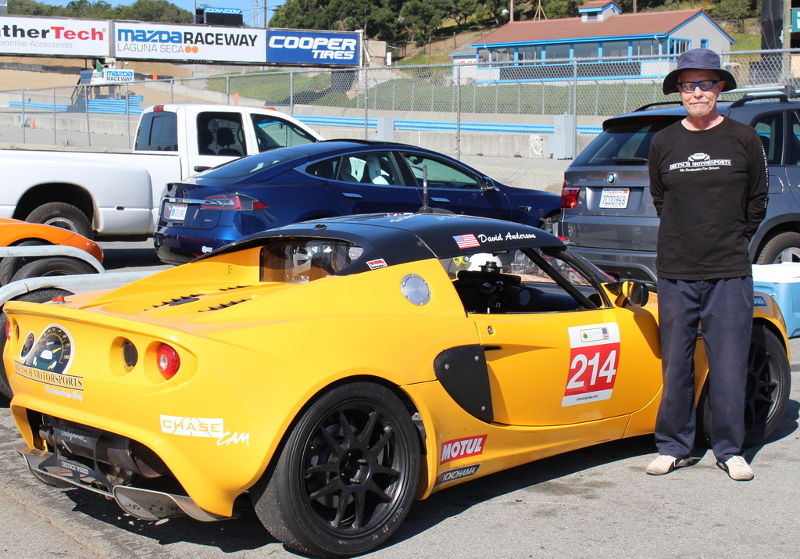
(699, 162)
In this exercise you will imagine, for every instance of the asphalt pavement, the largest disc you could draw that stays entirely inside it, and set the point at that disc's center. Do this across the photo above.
(592, 503)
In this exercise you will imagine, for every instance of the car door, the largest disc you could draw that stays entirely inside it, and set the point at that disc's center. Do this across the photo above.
(455, 188)
(366, 182)
(558, 359)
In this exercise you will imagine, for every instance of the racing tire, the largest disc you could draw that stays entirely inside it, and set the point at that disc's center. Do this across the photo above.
(65, 216)
(38, 296)
(769, 381)
(346, 475)
(54, 266)
(10, 264)
(781, 248)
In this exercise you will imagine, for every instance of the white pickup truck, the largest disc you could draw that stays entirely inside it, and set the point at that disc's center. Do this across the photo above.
(116, 195)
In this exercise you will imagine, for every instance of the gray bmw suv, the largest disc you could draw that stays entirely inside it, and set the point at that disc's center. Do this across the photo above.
(609, 217)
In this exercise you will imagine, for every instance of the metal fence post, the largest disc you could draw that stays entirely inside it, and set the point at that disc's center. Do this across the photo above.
(23, 123)
(575, 108)
(227, 90)
(128, 113)
(55, 140)
(458, 112)
(291, 92)
(86, 108)
(366, 104)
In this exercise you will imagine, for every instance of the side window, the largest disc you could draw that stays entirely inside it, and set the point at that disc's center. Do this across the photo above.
(521, 281)
(440, 174)
(793, 153)
(220, 133)
(371, 168)
(274, 133)
(158, 132)
(770, 130)
(326, 169)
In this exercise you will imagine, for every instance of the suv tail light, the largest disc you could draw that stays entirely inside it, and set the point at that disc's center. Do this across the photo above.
(569, 196)
(235, 202)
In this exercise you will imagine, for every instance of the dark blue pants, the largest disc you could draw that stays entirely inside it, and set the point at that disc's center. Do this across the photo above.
(724, 310)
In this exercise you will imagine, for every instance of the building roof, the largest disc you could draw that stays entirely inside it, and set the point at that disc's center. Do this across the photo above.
(645, 25)
(596, 4)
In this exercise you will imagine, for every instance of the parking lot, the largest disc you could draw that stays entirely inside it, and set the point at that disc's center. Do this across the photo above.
(595, 502)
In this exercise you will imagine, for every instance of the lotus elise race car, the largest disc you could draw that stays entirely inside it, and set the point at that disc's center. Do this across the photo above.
(335, 370)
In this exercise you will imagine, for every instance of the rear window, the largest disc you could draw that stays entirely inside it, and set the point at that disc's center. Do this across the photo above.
(624, 142)
(300, 260)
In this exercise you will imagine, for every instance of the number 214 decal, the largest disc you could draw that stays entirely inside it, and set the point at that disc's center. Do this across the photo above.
(594, 359)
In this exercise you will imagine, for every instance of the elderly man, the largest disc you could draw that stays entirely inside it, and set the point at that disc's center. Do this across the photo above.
(708, 179)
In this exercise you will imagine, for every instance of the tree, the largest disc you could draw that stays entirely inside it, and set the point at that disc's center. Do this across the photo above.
(460, 10)
(160, 11)
(733, 10)
(421, 19)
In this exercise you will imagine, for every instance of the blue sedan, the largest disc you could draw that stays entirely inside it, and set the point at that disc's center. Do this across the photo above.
(325, 179)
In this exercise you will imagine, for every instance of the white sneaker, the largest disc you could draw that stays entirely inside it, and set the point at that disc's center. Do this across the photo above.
(665, 463)
(737, 467)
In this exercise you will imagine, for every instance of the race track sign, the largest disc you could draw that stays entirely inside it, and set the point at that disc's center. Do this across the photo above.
(147, 41)
(54, 37)
(315, 48)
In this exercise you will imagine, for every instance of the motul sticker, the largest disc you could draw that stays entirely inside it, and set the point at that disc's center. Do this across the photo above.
(457, 473)
(462, 448)
(593, 363)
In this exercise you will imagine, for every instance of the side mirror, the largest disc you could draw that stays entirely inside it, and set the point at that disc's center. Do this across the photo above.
(633, 292)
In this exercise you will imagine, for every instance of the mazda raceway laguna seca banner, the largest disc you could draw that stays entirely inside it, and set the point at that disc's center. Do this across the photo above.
(31, 36)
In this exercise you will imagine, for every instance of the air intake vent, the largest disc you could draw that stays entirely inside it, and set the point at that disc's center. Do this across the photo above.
(224, 305)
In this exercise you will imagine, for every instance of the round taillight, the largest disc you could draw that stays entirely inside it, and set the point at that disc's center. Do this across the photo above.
(168, 361)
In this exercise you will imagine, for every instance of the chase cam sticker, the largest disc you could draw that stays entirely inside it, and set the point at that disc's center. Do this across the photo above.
(594, 359)
(759, 301)
(457, 473)
(203, 427)
(47, 359)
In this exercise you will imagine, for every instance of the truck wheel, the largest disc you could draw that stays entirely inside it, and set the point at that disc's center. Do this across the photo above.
(38, 296)
(10, 265)
(55, 266)
(346, 475)
(781, 248)
(66, 216)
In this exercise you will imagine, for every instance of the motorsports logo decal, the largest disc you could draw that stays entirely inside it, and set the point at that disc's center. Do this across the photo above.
(204, 427)
(457, 473)
(47, 360)
(594, 359)
(700, 162)
(462, 448)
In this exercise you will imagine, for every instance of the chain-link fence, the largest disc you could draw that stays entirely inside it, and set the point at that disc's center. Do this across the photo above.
(543, 110)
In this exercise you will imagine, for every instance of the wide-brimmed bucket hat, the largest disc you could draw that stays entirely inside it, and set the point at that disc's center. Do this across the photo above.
(698, 59)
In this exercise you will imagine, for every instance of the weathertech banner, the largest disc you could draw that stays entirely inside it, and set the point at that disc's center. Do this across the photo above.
(316, 48)
(54, 36)
(150, 41)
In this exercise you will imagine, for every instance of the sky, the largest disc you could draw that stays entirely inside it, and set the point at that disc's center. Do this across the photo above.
(252, 10)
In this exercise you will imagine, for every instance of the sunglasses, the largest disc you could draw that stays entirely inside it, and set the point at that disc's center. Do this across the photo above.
(705, 85)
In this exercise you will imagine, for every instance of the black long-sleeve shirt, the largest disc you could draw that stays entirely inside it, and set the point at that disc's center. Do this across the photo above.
(709, 188)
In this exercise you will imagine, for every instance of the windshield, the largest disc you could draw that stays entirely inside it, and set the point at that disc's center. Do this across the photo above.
(624, 142)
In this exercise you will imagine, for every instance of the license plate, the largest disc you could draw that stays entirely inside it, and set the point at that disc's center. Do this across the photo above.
(614, 198)
(178, 212)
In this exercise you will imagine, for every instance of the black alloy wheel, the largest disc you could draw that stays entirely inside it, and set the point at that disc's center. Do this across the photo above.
(346, 476)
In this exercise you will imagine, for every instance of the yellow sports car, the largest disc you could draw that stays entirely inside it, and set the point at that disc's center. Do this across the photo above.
(337, 369)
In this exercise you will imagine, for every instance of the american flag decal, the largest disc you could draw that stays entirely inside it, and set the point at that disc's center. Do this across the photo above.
(466, 241)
